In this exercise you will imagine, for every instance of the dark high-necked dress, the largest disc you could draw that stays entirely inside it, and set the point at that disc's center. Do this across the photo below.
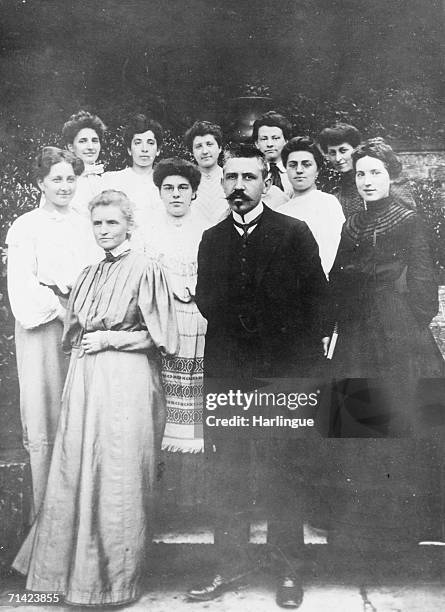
(352, 202)
(89, 541)
(385, 294)
(347, 194)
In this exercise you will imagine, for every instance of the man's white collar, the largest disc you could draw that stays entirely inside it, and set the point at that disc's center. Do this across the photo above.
(249, 216)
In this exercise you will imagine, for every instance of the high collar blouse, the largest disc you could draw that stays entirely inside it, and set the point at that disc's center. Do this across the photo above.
(130, 294)
(210, 204)
(89, 185)
(46, 249)
(140, 189)
(174, 243)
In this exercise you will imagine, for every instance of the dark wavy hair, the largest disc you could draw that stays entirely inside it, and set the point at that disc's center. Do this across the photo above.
(79, 121)
(202, 128)
(272, 119)
(302, 143)
(338, 134)
(138, 124)
(49, 156)
(379, 149)
(248, 150)
(175, 166)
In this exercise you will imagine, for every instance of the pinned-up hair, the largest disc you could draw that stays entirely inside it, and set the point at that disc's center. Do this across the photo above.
(337, 135)
(302, 143)
(49, 156)
(272, 119)
(379, 149)
(202, 128)
(179, 167)
(79, 121)
(138, 124)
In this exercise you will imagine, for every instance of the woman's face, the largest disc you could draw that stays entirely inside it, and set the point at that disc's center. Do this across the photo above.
(341, 156)
(86, 145)
(271, 141)
(176, 193)
(59, 185)
(110, 226)
(206, 151)
(143, 149)
(302, 171)
(372, 179)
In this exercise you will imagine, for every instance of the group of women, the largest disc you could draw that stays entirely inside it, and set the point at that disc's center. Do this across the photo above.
(136, 341)
(83, 280)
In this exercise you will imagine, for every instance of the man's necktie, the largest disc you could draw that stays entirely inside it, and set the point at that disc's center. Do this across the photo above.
(275, 175)
(246, 226)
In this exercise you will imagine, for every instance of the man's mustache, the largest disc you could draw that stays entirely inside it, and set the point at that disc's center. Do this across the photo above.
(238, 195)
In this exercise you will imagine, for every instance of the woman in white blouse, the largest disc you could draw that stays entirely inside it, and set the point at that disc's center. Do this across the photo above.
(143, 140)
(321, 211)
(83, 134)
(47, 249)
(173, 240)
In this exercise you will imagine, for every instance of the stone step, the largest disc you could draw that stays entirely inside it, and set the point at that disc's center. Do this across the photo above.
(177, 526)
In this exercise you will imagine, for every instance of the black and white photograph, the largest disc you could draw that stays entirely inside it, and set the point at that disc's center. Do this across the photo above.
(222, 305)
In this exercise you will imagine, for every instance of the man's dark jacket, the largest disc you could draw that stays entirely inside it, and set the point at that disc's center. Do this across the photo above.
(289, 299)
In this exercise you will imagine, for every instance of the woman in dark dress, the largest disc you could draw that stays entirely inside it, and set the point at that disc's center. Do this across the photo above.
(338, 143)
(384, 289)
(385, 295)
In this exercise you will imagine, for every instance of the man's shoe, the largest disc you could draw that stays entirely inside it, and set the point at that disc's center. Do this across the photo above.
(209, 591)
(289, 592)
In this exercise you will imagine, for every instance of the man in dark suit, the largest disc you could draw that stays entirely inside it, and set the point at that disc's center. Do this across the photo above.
(263, 292)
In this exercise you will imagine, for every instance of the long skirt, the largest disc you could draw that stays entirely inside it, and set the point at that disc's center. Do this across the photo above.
(182, 377)
(89, 540)
(374, 491)
(42, 368)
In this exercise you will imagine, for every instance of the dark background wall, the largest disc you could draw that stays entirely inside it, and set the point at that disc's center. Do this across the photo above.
(186, 58)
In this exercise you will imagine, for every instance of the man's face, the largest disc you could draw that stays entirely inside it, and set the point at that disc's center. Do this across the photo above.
(206, 151)
(243, 183)
(270, 141)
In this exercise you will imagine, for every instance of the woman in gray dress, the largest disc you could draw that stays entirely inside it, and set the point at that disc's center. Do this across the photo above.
(90, 539)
